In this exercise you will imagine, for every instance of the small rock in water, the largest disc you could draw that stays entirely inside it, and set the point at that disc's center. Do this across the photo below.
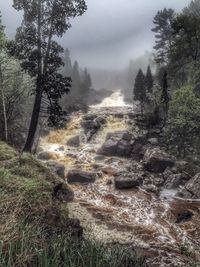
(110, 171)
(192, 188)
(78, 176)
(74, 141)
(184, 216)
(61, 148)
(127, 182)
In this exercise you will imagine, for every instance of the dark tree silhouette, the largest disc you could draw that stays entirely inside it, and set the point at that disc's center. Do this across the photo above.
(41, 55)
(76, 78)
(139, 91)
(68, 64)
(149, 80)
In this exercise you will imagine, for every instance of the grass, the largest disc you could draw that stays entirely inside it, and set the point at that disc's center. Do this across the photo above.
(35, 230)
(63, 251)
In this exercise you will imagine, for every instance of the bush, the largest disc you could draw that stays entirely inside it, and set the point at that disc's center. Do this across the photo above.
(183, 124)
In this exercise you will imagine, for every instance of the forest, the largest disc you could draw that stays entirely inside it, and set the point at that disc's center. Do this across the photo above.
(99, 165)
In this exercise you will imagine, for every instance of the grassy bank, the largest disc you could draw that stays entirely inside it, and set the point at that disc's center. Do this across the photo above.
(34, 226)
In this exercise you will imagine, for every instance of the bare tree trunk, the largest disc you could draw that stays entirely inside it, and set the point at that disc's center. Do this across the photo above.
(39, 90)
(4, 106)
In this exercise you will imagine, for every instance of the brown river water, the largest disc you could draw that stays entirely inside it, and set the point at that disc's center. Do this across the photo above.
(134, 218)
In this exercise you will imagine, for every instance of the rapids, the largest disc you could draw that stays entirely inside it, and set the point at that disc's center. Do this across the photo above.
(135, 218)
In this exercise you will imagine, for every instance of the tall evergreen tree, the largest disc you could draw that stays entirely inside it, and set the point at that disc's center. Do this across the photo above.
(68, 64)
(76, 78)
(149, 80)
(41, 55)
(87, 79)
(139, 91)
(164, 34)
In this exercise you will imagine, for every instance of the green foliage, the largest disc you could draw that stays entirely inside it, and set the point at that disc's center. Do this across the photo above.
(186, 249)
(184, 113)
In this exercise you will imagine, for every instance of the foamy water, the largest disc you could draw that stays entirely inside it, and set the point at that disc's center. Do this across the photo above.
(115, 100)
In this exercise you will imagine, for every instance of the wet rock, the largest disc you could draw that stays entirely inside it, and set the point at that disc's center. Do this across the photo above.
(192, 188)
(139, 148)
(61, 148)
(63, 193)
(110, 171)
(128, 181)
(176, 180)
(78, 176)
(151, 188)
(99, 158)
(156, 160)
(191, 166)
(56, 167)
(184, 216)
(74, 141)
(117, 144)
(45, 155)
(92, 124)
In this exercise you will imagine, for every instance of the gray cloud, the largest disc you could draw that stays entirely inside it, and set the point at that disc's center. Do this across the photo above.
(109, 33)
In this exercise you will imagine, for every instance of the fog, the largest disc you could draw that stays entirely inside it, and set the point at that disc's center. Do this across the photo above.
(110, 33)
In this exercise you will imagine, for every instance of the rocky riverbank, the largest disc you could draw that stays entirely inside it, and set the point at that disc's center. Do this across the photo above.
(127, 188)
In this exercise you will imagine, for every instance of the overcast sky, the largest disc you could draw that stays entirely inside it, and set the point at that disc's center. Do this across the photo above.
(110, 33)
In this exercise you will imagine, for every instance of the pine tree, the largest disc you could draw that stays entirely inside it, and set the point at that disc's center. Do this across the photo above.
(149, 80)
(76, 78)
(87, 80)
(41, 57)
(139, 91)
(68, 64)
(164, 34)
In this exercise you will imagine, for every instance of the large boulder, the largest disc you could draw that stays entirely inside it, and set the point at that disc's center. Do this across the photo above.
(157, 161)
(74, 141)
(192, 188)
(56, 167)
(78, 176)
(92, 124)
(117, 144)
(127, 181)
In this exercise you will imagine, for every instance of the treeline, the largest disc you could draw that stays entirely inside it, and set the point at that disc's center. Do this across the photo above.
(173, 103)
(80, 86)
